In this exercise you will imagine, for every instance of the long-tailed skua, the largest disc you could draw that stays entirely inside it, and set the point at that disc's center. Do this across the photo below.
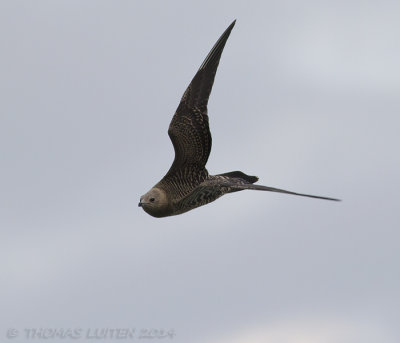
(188, 184)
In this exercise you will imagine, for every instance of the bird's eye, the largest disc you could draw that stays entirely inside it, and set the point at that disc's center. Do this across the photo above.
(152, 199)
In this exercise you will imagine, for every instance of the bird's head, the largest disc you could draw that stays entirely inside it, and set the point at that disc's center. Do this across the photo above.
(156, 203)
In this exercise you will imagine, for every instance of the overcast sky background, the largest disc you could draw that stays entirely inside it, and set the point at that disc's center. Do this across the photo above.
(306, 97)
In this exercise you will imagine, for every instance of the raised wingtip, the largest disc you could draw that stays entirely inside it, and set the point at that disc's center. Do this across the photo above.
(230, 27)
(215, 54)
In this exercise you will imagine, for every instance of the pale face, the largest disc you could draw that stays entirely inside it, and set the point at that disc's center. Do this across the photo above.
(155, 202)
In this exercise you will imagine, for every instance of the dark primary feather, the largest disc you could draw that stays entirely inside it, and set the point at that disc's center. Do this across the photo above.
(240, 175)
(189, 130)
(198, 92)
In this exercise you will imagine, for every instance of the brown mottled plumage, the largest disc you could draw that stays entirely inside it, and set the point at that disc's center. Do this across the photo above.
(187, 184)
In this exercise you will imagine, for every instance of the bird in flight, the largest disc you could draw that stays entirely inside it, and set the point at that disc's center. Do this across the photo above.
(187, 184)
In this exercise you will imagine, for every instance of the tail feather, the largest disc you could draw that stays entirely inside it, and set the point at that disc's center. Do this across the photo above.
(241, 181)
(271, 189)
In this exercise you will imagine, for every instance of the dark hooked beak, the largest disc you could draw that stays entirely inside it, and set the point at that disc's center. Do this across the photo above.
(140, 204)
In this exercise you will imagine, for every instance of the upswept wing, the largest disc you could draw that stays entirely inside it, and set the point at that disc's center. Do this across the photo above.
(189, 130)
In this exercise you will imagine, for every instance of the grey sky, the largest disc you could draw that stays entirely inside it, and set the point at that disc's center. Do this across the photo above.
(306, 97)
